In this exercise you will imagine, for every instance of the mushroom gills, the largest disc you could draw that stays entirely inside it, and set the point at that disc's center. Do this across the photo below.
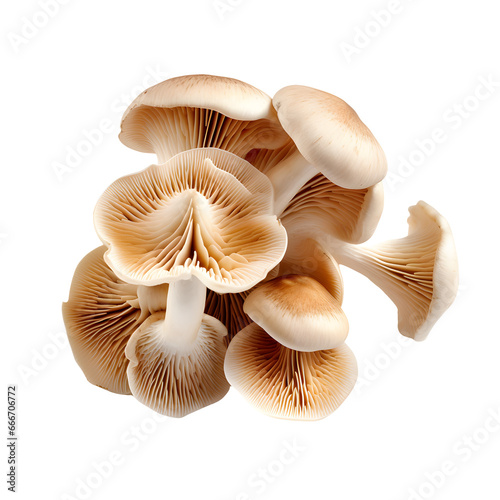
(176, 381)
(285, 383)
(169, 131)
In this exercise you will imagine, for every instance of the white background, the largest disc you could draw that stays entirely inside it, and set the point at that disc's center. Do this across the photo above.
(413, 409)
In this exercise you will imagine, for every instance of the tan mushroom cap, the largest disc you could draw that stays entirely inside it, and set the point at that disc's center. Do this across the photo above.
(205, 213)
(310, 257)
(320, 207)
(100, 316)
(198, 111)
(419, 273)
(172, 382)
(289, 384)
(298, 312)
(331, 136)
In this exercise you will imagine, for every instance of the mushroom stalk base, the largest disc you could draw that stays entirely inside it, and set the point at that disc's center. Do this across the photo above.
(351, 256)
(287, 177)
(185, 306)
(364, 261)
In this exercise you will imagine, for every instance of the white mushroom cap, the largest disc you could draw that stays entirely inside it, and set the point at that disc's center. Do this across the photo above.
(298, 312)
(173, 381)
(205, 213)
(197, 111)
(100, 316)
(321, 207)
(419, 273)
(330, 136)
(289, 384)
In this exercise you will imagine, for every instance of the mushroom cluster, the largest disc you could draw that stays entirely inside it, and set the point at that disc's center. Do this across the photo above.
(220, 264)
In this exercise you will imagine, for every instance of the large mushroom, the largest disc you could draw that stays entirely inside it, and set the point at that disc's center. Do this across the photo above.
(100, 316)
(286, 383)
(198, 111)
(419, 273)
(202, 219)
(330, 138)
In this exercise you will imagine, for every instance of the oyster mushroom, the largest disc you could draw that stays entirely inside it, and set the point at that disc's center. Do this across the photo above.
(298, 312)
(173, 373)
(419, 273)
(193, 225)
(285, 383)
(330, 138)
(100, 316)
(198, 111)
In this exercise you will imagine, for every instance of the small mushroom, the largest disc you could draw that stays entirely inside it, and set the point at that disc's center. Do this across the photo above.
(193, 225)
(330, 139)
(100, 316)
(298, 312)
(419, 273)
(198, 111)
(285, 383)
(173, 373)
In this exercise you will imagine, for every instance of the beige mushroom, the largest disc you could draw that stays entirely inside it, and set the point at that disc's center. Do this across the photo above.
(330, 139)
(193, 225)
(100, 316)
(289, 384)
(198, 111)
(174, 374)
(419, 273)
(298, 312)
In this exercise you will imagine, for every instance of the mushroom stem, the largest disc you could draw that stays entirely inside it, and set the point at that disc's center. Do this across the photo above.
(356, 257)
(185, 306)
(287, 177)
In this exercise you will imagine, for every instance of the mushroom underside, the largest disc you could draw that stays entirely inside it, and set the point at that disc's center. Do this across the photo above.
(176, 383)
(285, 383)
(169, 131)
